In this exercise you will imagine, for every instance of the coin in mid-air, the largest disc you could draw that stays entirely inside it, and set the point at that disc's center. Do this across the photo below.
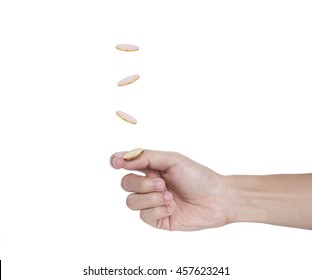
(127, 47)
(128, 80)
(132, 154)
(126, 117)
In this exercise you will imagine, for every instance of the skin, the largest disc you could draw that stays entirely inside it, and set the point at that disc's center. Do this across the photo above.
(177, 193)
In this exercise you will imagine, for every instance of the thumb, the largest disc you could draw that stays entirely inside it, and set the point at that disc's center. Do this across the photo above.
(150, 159)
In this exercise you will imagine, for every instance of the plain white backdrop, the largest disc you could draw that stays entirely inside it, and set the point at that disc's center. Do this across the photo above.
(227, 83)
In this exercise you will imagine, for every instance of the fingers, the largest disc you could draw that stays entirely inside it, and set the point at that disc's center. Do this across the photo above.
(150, 195)
(142, 184)
(150, 159)
(149, 200)
(147, 192)
(155, 216)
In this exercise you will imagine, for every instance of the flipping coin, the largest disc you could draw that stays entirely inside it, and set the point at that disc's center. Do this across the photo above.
(128, 80)
(127, 47)
(126, 117)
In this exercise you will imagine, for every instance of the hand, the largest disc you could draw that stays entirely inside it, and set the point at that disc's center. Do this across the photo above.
(176, 192)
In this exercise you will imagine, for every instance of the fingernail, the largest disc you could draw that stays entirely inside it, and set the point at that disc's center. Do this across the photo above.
(114, 161)
(159, 185)
(167, 196)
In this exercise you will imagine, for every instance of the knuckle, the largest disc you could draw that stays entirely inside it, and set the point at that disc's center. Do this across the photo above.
(130, 202)
(154, 198)
(158, 211)
(145, 184)
(144, 215)
(176, 155)
(123, 182)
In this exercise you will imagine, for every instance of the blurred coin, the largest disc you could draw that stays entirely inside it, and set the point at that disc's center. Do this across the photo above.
(127, 47)
(126, 117)
(128, 80)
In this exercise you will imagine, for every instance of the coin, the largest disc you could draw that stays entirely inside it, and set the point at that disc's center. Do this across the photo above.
(132, 154)
(126, 117)
(127, 47)
(128, 80)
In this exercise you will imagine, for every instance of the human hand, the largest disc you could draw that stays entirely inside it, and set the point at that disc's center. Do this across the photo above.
(176, 192)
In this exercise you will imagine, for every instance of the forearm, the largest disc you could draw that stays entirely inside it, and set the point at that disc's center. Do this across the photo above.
(284, 200)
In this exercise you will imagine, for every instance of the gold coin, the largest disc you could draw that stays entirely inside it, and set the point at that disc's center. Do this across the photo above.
(126, 117)
(128, 80)
(132, 154)
(127, 47)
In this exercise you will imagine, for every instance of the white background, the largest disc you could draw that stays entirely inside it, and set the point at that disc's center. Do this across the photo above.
(227, 83)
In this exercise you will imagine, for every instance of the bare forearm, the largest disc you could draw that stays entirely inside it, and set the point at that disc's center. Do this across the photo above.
(284, 200)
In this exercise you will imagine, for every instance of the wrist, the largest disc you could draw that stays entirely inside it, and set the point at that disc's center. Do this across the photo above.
(244, 199)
